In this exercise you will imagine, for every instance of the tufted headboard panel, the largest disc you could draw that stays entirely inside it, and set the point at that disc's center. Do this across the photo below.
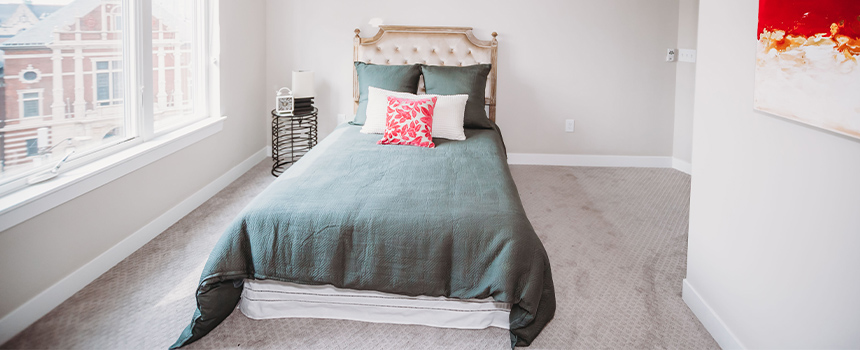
(439, 46)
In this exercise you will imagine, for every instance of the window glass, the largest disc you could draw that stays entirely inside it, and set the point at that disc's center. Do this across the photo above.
(70, 47)
(32, 147)
(31, 108)
(116, 91)
(174, 72)
(109, 85)
(103, 86)
(66, 77)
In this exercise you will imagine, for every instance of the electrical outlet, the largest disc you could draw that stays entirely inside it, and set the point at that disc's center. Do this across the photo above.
(670, 55)
(568, 125)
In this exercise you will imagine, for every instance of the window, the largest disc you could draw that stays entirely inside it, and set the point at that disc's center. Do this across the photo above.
(116, 18)
(108, 77)
(91, 78)
(31, 103)
(32, 147)
(29, 75)
(174, 64)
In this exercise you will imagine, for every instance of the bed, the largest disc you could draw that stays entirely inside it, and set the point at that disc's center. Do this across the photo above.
(439, 230)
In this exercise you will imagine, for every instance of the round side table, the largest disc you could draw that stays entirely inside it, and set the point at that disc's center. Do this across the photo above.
(292, 136)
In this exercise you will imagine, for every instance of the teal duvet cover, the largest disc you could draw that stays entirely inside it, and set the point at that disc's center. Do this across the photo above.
(446, 221)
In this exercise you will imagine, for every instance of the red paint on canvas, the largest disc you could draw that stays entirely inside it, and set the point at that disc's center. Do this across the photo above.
(808, 62)
(810, 17)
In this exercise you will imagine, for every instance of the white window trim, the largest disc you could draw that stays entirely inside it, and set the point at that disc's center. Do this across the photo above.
(33, 200)
(21, 93)
(28, 202)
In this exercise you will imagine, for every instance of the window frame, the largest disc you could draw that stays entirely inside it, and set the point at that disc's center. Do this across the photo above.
(201, 59)
(112, 99)
(30, 69)
(139, 118)
(38, 99)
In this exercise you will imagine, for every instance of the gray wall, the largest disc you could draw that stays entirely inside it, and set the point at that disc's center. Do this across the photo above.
(41, 251)
(598, 62)
(774, 224)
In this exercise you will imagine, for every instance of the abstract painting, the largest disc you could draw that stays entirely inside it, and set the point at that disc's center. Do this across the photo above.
(808, 62)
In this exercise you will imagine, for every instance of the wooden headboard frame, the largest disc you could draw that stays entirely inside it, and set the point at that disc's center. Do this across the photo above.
(441, 46)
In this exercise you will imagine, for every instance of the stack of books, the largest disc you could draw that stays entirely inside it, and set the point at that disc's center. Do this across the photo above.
(303, 105)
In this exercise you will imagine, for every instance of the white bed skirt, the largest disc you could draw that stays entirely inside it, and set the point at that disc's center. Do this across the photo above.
(262, 299)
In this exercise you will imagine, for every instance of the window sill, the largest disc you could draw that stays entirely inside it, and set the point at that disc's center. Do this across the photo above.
(33, 200)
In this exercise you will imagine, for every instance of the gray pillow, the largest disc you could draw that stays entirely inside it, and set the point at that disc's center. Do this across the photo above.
(392, 78)
(471, 80)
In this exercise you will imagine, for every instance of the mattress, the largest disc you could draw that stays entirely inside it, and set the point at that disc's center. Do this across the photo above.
(264, 299)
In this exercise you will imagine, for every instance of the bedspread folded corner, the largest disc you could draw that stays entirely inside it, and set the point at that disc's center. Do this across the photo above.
(215, 301)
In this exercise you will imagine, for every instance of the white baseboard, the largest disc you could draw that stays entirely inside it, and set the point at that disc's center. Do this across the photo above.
(682, 166)
(47, 300)
(268, 150)
(599, 161)
(589, 160)
(712, 322)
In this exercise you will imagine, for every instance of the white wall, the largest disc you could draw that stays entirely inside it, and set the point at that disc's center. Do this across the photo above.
(598, 62)
(279, 61)
(775, 210)
(41, 251)
(685, 81)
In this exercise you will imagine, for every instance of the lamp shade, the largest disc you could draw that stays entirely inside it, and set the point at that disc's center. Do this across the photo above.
(303, 84)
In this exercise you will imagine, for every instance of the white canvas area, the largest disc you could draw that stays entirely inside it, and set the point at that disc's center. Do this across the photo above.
(263, 299)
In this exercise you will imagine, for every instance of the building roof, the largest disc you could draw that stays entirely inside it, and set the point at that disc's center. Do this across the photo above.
(41, 34)
(7, 10)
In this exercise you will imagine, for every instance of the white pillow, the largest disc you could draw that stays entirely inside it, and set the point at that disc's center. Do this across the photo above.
(447, 116)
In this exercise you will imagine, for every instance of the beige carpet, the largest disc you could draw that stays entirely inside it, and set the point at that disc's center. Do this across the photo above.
(617, 241)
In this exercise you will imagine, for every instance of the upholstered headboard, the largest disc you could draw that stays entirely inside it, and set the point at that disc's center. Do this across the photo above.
(440, 46)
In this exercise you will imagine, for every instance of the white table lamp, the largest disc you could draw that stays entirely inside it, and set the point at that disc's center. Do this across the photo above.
(303, 91)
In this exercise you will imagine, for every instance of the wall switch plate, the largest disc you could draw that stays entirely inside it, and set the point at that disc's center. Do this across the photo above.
(670, 55)
(568, 125)
(686, 55)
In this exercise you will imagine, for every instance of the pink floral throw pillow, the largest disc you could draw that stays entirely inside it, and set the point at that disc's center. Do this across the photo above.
(409, 122)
